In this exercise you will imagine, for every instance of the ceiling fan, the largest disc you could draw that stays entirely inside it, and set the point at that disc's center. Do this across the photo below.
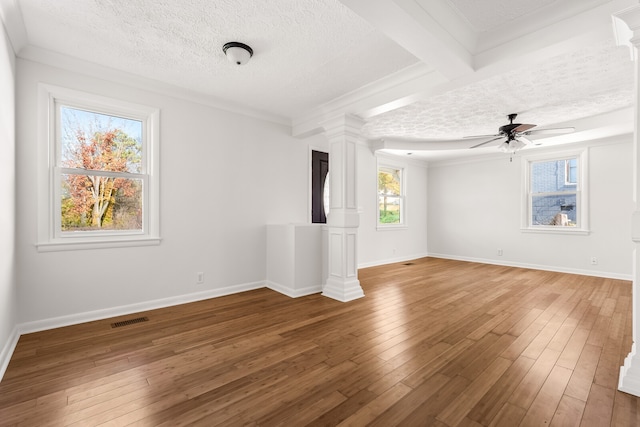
(515, 135)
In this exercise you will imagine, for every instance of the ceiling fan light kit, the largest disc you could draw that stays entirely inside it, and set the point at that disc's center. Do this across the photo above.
(513, 145)
(238, 53)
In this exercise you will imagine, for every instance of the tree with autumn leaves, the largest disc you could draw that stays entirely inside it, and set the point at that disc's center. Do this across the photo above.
(389, 187)
(92, 198)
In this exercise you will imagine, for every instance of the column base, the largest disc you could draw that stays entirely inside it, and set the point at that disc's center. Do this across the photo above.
(343, 290)
(629, 381)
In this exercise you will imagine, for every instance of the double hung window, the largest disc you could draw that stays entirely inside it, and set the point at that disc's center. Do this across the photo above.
(391, 195)
(100, 183)
(556, 193)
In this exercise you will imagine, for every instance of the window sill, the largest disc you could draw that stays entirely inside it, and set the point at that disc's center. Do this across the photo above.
(557, 230)
(391, 227)
(76, 245)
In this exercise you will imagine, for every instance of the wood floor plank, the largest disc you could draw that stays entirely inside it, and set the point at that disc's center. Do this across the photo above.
(580, 383)
(599, 408)
(530, 385)
(543, 408)
(437, 342)
(437, 363)
(509, 415)
(524, 339)
(410, 402)
(459, 408)
(484, 358)
(625, 410)
(492, 402)
(572, 351)
(437, 402)
(569, 412)
(376, 407)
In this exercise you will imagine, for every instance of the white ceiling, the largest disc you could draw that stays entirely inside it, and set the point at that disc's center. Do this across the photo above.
(417, 71)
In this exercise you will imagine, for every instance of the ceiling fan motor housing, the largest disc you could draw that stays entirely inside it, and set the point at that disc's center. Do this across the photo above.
(508, 129)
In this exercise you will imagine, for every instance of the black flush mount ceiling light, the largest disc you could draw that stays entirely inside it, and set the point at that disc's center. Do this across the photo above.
(238, 53)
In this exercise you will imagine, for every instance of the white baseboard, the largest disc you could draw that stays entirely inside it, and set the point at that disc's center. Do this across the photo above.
(605, 274)
(89, 316)
(74, 319)
(293, 293)
(391, 260)
(7, 351)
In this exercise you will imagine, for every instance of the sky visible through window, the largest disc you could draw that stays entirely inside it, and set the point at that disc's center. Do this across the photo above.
(74, 120)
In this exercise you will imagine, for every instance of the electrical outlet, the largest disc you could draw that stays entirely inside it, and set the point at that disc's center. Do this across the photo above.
(199, 278)
(499, 252)
(594, 260)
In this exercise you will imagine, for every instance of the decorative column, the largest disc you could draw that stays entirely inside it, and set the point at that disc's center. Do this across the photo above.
(342, 283)
(626, 25)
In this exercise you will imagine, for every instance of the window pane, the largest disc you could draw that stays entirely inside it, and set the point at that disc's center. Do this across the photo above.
(558, 210)
(389, 195)
(572, 171)
(551, 176)
(96, 203)
(99, 141)
(389, 181)
(389, 209)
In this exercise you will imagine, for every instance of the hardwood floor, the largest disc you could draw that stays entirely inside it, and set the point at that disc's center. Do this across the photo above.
(434, 343)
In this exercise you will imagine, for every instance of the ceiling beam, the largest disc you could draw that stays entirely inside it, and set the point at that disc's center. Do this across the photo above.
(420, 33)
(391, 92)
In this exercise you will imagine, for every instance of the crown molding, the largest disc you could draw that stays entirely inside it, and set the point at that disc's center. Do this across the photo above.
(54, 59)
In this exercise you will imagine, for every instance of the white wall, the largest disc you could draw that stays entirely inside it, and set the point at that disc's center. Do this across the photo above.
(475, 207)
(384, 246)
(8, 301)
(224, 176)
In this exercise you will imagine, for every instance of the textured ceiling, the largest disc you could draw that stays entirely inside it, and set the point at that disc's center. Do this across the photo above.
(485, 16)
(550, 61)
(306, 52)
(584, 83)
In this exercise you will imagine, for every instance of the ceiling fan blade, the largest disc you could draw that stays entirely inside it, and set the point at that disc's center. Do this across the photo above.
(482, 136)
(551, 131)
(527, 141)
(486, 142)
(523, 127)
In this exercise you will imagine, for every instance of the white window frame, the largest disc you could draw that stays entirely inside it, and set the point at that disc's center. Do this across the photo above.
(567, 174)
(50, 237)
(389, 163)
(582, 193)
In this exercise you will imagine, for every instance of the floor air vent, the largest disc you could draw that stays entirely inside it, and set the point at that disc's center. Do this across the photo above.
(129, 322)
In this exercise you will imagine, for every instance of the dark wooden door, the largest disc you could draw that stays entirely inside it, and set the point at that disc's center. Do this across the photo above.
(319, 173)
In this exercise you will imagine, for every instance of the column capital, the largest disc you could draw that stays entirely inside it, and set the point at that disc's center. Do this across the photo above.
(626, 28)
(346, 125)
